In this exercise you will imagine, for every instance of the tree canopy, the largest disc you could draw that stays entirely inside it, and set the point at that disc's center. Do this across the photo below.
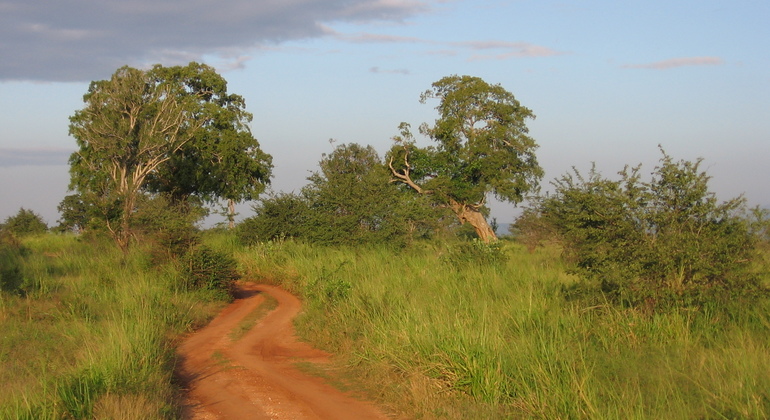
(352, 201)
(482, 147)
(171, 130)
(348, 201)
(664, 241)
(25, 222)
(223, 159)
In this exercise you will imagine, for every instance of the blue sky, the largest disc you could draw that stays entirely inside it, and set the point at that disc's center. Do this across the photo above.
(608, 80)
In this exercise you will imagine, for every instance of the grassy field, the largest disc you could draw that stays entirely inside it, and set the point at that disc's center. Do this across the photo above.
(432, 335)
(425, 331)
(93, 337)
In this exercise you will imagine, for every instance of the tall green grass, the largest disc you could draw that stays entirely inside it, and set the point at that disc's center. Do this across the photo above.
(93, 335)
(433, 338)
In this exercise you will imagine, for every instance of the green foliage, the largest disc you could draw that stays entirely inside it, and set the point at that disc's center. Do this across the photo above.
(482, 147)
(172, 130)
(277, 217)
(349, 201)
(223, 159)
(329, 287)
(204, 268)
(169, 225)
(654, 244)
(76, 214)
(531, 229)
(759, 226)
(25, 222)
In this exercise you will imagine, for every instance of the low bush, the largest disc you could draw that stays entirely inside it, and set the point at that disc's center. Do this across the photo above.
(328, 287)
(169, 226)
(658, 244)
(208, 269)
(25, 222)
(279, 216)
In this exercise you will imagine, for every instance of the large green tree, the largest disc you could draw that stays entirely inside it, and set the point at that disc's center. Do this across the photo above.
(352, 201)
(348, 201)
(223, 160)
(172, 130)
(482, 147)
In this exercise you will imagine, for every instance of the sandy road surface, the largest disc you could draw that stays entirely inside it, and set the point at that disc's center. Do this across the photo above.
(254, 377)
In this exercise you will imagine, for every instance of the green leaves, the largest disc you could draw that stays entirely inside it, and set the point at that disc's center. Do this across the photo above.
(482, 147)
(170, 130)
(482, 143)
(25, 222)
(349, 201)
(651, 241)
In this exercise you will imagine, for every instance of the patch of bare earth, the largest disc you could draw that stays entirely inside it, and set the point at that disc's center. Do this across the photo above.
(255, 377)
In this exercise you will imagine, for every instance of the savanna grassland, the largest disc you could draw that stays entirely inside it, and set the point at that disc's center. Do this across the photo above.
(638, 297)
(452, 330)
(472, 331)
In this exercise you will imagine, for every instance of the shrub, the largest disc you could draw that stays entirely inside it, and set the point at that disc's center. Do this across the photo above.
(75, 212)
(350, 201)
(168, 225)
(279, 216)
(25, 222)
(208, 269)
(658, 243)
(531, 229)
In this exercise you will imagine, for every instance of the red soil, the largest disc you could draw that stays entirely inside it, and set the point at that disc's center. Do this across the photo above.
(255, 377)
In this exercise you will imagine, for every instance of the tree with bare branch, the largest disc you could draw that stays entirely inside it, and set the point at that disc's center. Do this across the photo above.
(138, 121)
(482, 147)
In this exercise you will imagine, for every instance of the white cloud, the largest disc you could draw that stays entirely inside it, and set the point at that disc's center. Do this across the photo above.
(377, 38)
(383, 71)
(677, 62)
(506, 50)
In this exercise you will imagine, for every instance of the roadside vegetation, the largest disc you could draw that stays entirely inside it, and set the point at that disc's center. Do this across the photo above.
(87, 331)
(430, 334)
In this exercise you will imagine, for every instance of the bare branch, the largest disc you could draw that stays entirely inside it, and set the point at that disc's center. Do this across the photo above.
(405, 176)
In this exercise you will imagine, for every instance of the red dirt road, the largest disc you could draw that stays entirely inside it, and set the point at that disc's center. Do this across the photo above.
(255, 377)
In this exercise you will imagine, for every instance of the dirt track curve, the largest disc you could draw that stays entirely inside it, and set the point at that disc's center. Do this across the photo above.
(254, 377)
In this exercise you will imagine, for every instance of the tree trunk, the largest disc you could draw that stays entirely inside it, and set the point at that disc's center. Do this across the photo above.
(231, 214)
(468, 214)
(124, 234)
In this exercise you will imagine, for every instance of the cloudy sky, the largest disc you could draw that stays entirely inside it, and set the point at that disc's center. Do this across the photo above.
(609, 80)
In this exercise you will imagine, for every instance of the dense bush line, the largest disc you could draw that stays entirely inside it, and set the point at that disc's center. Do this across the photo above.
(350, 201)
(661, 243)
